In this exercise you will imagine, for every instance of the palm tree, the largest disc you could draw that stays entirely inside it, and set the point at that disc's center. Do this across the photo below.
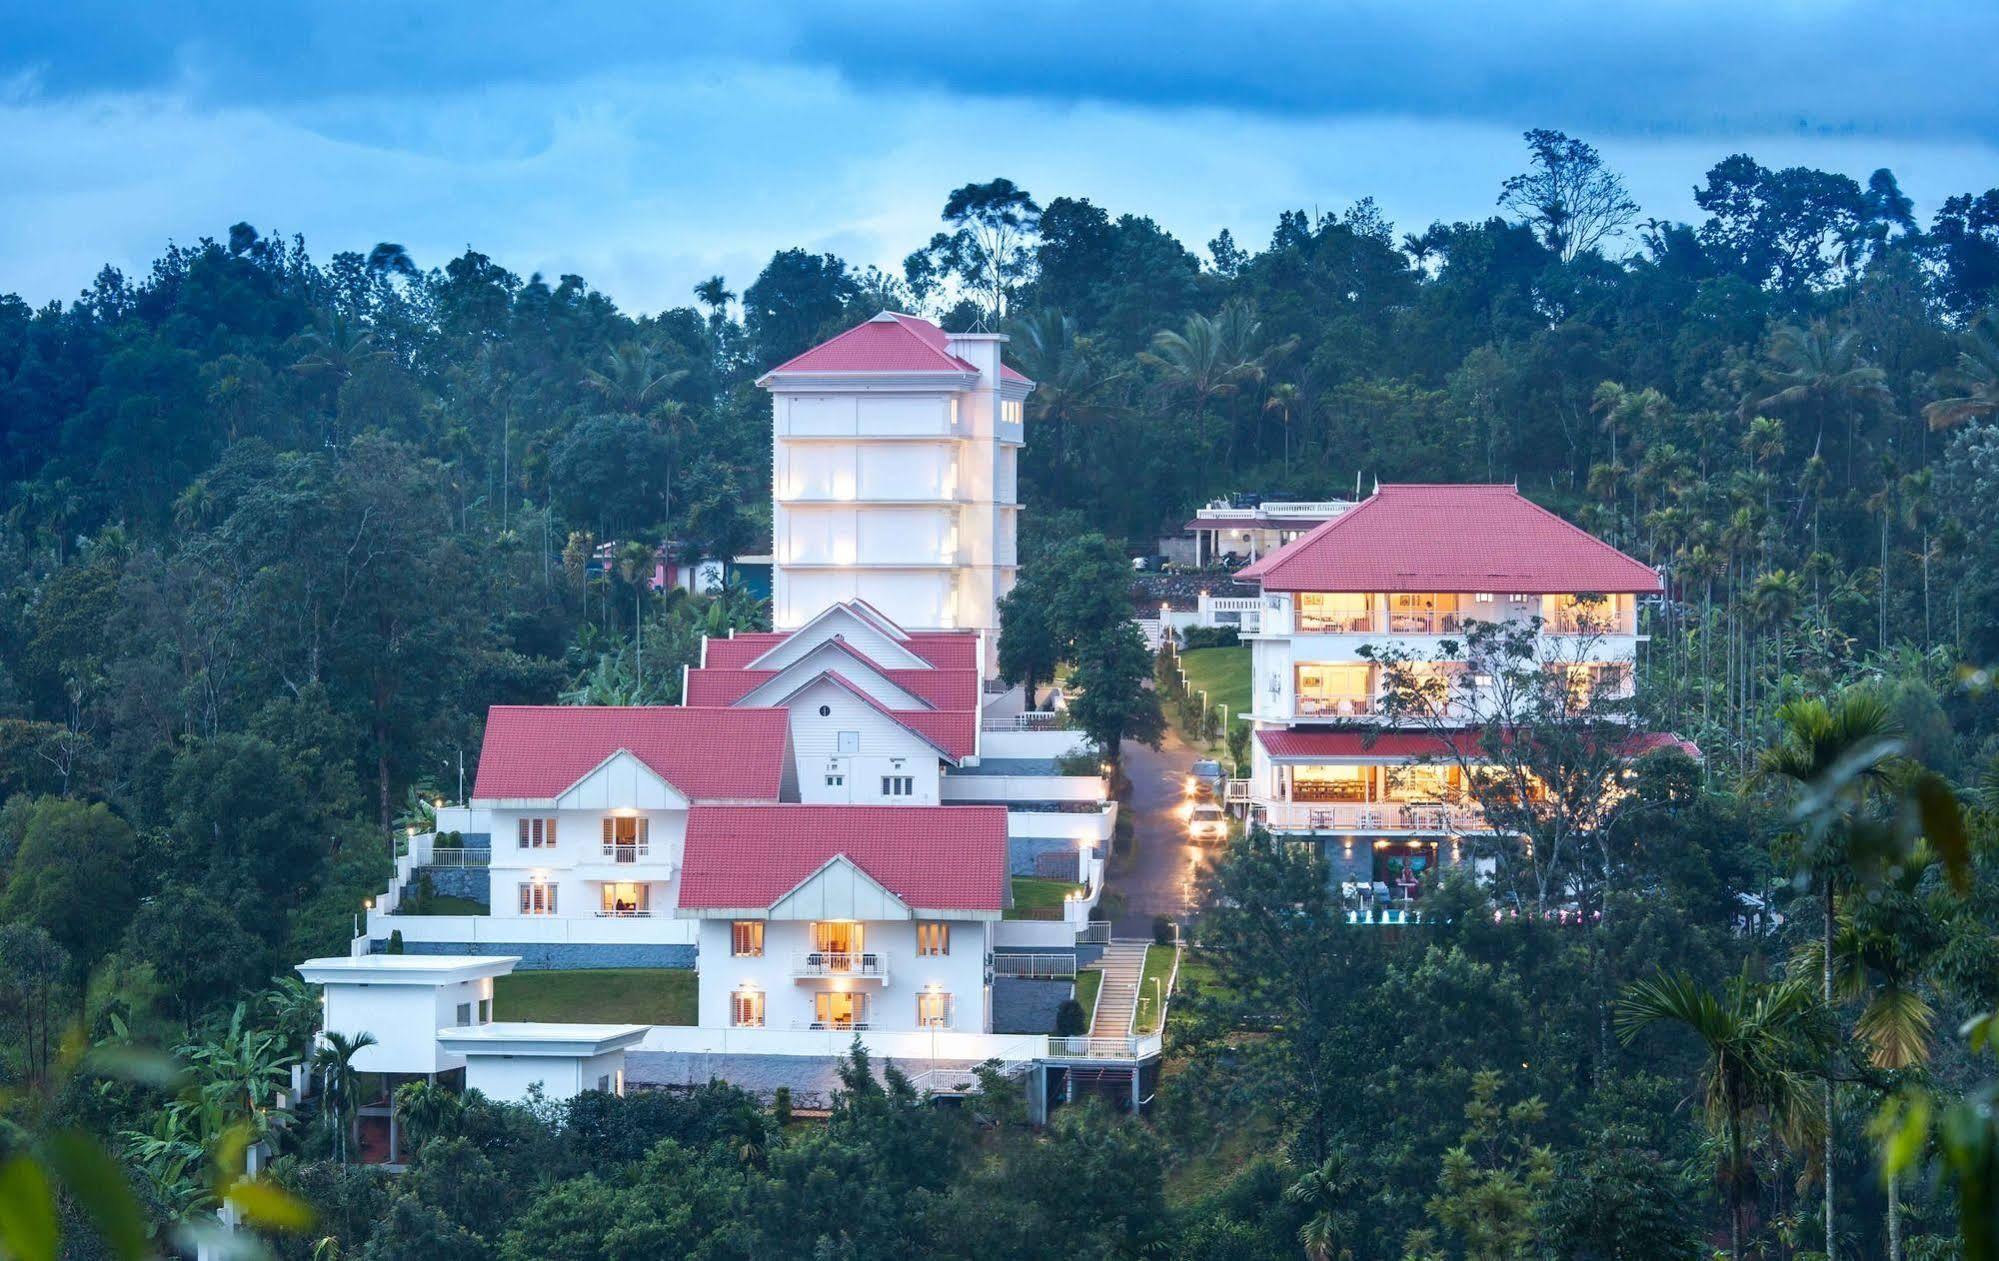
(714, 293)
(1976, 372)
(635, 566)
(1815, 370)
(632, 381)
(1756, 1037)
(1875, 962)
(1323, 1192)
(1071, 383)
(1196, 361)
(340, 1081)
(427, 1110)
(1831, 754)
(1283, 399)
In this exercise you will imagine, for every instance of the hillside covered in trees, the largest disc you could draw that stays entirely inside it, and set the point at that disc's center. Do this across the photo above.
(275, 531)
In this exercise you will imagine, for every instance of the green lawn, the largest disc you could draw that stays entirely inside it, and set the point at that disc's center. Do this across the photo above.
(1159, 967)
(619, 996)
(1088, 982)
(1038, 897)
(1223, 673)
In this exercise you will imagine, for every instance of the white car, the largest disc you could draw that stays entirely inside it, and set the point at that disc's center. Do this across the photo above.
(1207, 824)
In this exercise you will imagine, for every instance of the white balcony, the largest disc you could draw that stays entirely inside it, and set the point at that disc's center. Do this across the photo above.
(626, 853)
(1381, 817)
(853, 965)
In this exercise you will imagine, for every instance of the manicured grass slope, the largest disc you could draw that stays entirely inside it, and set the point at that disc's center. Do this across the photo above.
(1159, 967)
(620, 996)
(1223, 673)
(1037, 893)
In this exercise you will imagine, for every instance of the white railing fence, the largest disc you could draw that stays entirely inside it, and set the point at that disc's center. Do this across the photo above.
(1035, 967)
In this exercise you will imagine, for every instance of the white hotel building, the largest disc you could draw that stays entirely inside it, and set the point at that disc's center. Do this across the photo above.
(1410, 568)
(895, 476)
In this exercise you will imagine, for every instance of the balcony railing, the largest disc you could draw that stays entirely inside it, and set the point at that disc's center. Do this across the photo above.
(448, 856)
(862, 964)
(1335, 706)
(1374, 816)
(842, 1025)
(625, 913)
(626, 853)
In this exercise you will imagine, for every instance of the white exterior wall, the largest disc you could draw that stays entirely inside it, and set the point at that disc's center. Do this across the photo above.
(508, 1077)
(404, 1020)
(880, 746)
(899, 492)
(577, 866)
(1277, 650)
(789, 1001)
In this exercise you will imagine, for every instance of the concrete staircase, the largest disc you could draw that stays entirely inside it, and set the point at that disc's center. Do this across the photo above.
(1117, 1000)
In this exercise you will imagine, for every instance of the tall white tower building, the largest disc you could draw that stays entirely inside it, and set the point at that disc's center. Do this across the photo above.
(895, 476)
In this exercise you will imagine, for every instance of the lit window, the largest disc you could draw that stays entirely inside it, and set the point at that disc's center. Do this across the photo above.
(535, 833)
(746, 939)
(537, 899)
(933, 1010)
(746, 1009)
(933, 938)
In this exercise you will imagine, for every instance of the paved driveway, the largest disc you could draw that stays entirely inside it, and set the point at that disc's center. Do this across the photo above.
(1158, 879)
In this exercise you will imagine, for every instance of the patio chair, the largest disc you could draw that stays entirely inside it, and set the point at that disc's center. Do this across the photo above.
(1381, 893)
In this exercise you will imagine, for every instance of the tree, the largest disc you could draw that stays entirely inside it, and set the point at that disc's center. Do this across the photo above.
(1790, 230)
(989, 250)
(1112, 702)
(1619, 1204)
(794, 301)
(73, 879)
(1758, 1040)
(1323, 1191)
(1845, 746)
(1030, 648)
(1820, 373)
(1568, 197)
(196, 948)
(1976, 374)
(1490, 1190)
(32, 968)
(340, 1084)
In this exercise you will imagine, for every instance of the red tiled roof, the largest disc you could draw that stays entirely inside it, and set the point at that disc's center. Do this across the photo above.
(1423, 537)
(1354, 744)
(948, 685)
(942, 857)
(707, 754)
(890, 342)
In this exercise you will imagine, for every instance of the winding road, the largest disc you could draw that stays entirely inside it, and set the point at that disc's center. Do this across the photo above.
(1158, 877)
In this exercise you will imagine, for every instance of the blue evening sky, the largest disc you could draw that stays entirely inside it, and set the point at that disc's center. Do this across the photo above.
(647, 145)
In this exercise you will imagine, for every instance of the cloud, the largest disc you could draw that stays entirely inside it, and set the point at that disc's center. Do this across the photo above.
(645, 182)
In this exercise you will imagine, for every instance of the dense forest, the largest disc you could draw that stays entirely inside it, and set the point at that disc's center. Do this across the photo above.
(275, 532)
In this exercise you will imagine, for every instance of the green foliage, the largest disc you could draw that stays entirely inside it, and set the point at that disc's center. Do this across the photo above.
(72, 877)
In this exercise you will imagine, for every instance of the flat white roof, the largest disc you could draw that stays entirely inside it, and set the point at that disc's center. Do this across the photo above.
(531, 1038)
(404, 969)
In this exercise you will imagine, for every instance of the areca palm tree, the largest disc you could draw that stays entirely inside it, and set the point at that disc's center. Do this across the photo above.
(340, 1082)
(1976, 374)
(1758, 1039)
(1832, 755)
(635, 566)
(714, 293)
(1878, 963)
(1323, 1191)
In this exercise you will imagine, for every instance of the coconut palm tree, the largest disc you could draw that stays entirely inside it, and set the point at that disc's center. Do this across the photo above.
(340, 1083)
(427, 1110)
(1196, 361)
(1832, 755)
(1758, 1039)
(1976, 374)
(1818, 372)
(1072, 385)
(632, 380)
(1323, 1191)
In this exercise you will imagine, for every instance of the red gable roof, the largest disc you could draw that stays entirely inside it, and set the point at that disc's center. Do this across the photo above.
(949, 685)
(1349, 744)
(539, 751)
(890, 342)
(942, 857)
(1450, 538)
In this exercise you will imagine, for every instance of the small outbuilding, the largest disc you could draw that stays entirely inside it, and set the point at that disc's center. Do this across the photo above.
(505, 1060)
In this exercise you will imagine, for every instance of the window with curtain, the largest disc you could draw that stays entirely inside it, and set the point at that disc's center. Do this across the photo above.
(746, 939)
